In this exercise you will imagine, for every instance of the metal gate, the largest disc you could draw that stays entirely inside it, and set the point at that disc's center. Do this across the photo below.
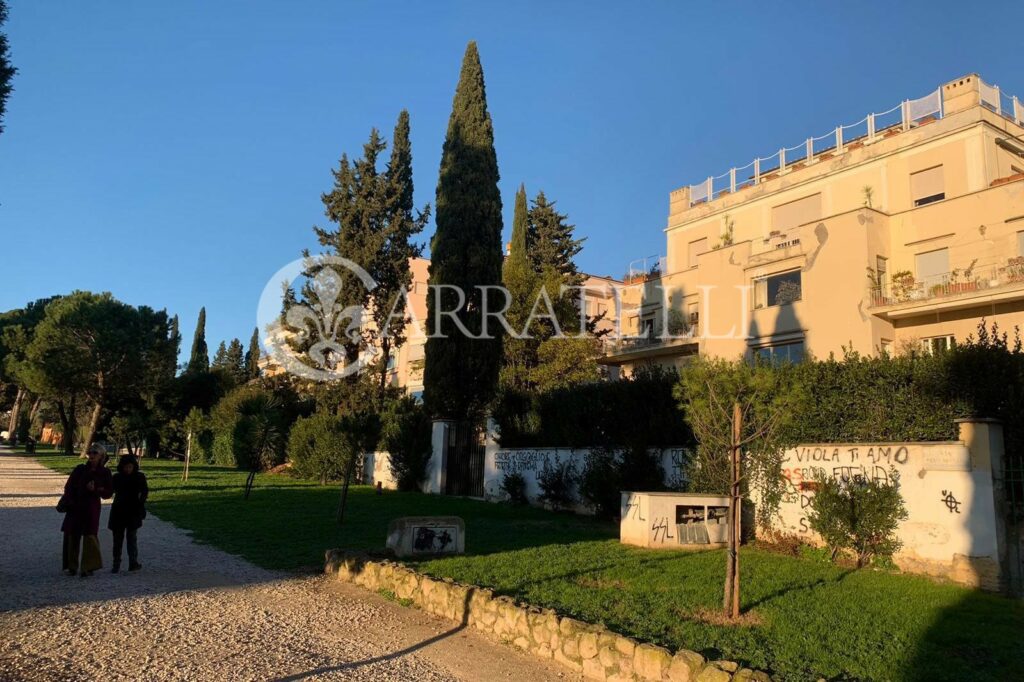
(1013, 478)
(464, 460)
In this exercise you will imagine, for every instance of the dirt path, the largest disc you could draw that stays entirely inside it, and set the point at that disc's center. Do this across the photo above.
(196, 613)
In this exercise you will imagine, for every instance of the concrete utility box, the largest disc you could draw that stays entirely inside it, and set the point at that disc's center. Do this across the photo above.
(426, 535)
(667, 520)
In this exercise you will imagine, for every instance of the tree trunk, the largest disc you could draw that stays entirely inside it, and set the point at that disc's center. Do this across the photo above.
(731, 599)
(34, 412)
(94, 422)
(68, 424)
(344, 490)
(188, 456)
(249, 482)
(12, 423)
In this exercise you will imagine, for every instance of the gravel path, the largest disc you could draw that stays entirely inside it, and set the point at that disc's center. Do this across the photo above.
(196, 613)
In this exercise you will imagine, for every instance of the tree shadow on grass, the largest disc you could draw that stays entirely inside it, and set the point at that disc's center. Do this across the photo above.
(980, 637)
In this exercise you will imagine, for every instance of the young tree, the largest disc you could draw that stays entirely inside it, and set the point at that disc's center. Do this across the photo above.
(461, 373)
(199, 359)
(7, 71)
(252, 356)
(740, 414)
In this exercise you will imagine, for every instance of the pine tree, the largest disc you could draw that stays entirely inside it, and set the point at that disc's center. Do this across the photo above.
(252, 356)
(390, 269)
(234, 361)
(7, 71)
(461, 373)
(521, 282)
(220, 358)
(551, 238)
(199, 360)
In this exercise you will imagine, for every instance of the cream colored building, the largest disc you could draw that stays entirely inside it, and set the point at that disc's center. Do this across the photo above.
(900, 232)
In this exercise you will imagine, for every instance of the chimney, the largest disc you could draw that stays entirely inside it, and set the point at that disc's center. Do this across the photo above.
(960, 94)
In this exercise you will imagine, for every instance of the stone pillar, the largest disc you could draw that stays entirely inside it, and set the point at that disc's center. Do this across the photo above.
(434, 481)
(984, 439)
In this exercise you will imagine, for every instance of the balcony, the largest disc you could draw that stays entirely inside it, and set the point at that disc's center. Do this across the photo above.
(904, 296)
(682, 339)
(644, 269)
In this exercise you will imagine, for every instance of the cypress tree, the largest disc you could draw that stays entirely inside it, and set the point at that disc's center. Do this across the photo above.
(252, 356)
(6, 70)
(461, 373)
(519, 278)
(199, 360)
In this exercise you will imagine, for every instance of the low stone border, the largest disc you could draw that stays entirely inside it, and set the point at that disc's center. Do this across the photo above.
(589, 649)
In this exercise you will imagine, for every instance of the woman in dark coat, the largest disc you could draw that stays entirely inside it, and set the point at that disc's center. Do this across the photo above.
(128, 510)
(86, 485)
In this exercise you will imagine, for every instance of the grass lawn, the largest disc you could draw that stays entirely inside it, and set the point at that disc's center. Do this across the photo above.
(805, 619)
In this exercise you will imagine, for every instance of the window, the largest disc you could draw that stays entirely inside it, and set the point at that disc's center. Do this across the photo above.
(927, 186)
(932, 267)
(886, 347)
(881, 269)
(696, 248)
(647, 327)
(779, 289)
(792, 352)
(937, 344)
(1020, 243)
(796, 213)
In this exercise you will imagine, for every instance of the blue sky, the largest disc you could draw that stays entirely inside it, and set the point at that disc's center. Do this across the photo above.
(174, 153)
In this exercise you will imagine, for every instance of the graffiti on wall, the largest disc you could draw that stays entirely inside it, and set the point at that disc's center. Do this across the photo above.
(518, 461)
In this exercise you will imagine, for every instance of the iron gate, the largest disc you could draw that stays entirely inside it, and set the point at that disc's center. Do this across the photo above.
(464, 460)
(1013, 478)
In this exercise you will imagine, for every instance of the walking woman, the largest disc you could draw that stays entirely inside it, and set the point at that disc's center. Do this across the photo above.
(128, 510)
(86, 485)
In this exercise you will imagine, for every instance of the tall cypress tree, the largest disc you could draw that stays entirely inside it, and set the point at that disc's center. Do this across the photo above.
(6, 70)
(252, 356)
(520, 279)
(199, 360)
(461, 374)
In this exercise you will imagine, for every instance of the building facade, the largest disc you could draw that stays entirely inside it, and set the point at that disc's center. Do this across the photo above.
(899, 233)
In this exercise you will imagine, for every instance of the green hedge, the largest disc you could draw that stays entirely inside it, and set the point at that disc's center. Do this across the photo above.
(635, 413)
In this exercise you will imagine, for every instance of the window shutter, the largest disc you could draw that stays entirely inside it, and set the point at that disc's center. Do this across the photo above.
(796, 213)
(927, 183)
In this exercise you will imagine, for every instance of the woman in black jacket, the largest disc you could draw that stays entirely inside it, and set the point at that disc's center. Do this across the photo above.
(128, 510)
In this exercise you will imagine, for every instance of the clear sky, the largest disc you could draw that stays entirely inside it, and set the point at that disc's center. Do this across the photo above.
(174, 153)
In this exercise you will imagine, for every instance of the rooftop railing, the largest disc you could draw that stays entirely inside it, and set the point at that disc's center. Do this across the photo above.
(904, 116)
(643, 269)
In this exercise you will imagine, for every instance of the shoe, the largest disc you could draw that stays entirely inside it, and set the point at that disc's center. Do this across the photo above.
(134, 567)
(86, 574)
(116, 568)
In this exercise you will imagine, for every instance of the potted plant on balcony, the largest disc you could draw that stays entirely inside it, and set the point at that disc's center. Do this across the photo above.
(963, 281)
(1015, 269)
(676, 323)
(903, 285)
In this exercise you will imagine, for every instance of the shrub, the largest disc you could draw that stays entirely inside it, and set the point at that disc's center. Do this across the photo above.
(557, 483)
(405, 434)
(318, 447)
(607, 473)
(858, 514)
(249, 429)
(514, 486)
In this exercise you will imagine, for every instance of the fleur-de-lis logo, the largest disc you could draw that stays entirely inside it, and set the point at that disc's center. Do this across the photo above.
(320, 324)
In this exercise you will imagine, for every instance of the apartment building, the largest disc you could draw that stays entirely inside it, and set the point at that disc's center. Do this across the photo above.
(898, 233)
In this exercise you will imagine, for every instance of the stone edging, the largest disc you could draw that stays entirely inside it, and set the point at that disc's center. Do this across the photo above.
(589, 649)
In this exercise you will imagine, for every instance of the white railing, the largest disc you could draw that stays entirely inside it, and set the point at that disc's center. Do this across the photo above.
(906, 115)
(643, 269)
(1003, 104)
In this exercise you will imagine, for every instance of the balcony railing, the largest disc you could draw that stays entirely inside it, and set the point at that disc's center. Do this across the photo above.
(643, 269)
(680, 332)
(906, 289)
